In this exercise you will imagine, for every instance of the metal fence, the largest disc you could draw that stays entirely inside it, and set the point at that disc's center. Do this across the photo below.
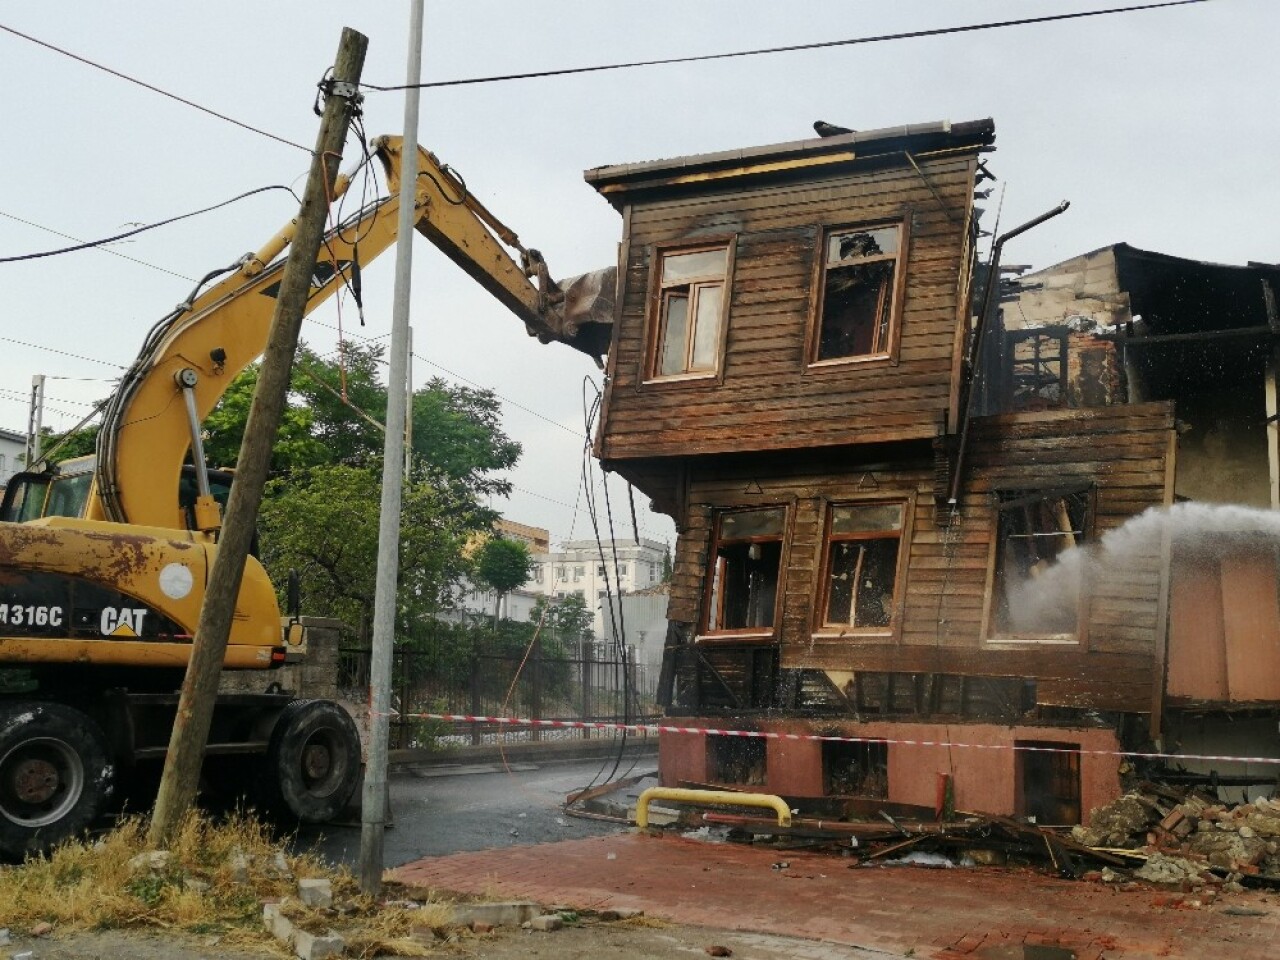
(548, 680)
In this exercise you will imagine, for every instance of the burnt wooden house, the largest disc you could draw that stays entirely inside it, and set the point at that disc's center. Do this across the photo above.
(788, 380)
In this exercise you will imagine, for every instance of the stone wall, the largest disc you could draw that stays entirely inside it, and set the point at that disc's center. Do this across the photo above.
(314, 676)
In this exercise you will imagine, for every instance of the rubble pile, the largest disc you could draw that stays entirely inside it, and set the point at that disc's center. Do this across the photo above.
(1194, 828)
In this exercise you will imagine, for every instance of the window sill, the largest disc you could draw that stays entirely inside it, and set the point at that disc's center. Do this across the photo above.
(1034, 640)
(689, 379)
(840, 363)
(747, 636)
(828, 635)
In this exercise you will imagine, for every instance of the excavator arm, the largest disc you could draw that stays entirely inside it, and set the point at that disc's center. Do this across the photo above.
(191, 356)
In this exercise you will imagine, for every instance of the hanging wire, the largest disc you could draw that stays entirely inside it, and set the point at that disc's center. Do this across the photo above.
(792, 48)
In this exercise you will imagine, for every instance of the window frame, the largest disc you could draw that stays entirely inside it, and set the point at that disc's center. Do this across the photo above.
(783, 538)
(655, 314)
(822, 592)
(1079, 638)
(818, 285)
(1012, 339)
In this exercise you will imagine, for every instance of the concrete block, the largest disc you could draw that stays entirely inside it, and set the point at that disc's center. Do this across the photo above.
(546, 923)
(276, 923)
(311, 946)
(511, 914)
(316, 893)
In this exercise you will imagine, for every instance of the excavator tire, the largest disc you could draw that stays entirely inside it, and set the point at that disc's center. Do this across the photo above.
(312, 761)
(55, 776)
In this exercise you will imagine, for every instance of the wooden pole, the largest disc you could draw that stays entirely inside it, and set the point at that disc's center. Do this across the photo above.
(200, 686)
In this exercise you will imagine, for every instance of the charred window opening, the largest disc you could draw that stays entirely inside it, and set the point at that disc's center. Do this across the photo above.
(742, 760)
(1049, 781)
(1037, 369)
(1038, 569)
(855, 769)
(861, 568)
(690, 312)
(744, 575)
(859, 293)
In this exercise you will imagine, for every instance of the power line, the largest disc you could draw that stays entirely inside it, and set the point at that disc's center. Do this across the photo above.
(18, 398)
(64, 353)
(114, 253)
(154, 89)
(457, 376)
(145, 227)
(881, 38)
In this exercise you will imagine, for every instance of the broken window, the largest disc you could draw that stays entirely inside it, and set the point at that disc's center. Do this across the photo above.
(860, 293)
(738, 760)
(861, 564)
(689, 312)
(1048, 781)
(855, 768)
(1038, 567)
(1037, 369)
(744, 574)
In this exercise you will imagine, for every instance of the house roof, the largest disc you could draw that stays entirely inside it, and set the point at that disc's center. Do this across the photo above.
(776, 158)
(12, 436)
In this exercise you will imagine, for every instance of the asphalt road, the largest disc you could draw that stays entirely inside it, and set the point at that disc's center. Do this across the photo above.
(440, 810)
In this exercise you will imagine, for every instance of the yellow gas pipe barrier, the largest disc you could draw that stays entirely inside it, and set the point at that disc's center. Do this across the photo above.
(726, 798)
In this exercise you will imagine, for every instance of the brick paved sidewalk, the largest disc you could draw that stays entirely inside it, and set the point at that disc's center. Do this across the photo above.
(960, 914)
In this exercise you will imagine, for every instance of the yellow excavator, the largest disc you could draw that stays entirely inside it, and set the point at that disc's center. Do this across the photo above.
(103, 559)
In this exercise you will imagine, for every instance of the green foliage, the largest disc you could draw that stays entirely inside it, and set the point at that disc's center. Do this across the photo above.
(324, 522)
(320, 512)
(504, 564)
(457, 433)
(79, 443)
(567, 618)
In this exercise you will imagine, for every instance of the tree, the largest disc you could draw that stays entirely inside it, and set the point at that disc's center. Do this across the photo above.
(503, 565)
(78, 443)
(567, 617)
(323, 522)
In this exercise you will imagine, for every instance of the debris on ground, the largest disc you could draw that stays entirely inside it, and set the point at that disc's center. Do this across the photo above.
(1156, 833)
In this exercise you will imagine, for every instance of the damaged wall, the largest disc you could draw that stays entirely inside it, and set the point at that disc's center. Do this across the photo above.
(941, 618)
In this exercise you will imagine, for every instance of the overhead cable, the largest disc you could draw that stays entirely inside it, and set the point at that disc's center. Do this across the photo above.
(114, 253)
(792, 48)
(144, 228)
(65, 353)
(154, 89)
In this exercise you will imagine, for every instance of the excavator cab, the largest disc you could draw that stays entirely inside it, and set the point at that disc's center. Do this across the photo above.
(62, 491)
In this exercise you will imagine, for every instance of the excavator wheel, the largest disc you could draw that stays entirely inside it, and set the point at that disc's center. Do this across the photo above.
(55, 776)
(312, 761)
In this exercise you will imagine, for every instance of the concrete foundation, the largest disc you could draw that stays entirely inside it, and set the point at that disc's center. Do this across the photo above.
(986, 770)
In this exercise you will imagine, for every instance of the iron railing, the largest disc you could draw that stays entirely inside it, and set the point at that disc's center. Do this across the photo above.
(547, 680)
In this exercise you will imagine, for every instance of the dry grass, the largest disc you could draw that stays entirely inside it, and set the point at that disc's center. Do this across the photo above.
(91, 886)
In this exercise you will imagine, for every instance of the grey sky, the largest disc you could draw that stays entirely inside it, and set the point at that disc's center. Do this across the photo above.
(1157, 126)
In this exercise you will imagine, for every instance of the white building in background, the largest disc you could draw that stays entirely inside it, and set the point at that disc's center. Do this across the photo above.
(576, 568)
(13, 448)
(518, 604)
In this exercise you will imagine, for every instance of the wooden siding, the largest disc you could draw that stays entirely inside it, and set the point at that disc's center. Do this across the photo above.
(766, 397)
(944, 593)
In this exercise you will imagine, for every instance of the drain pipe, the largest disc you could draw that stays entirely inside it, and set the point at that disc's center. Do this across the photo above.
(715, 798)
(975, 348)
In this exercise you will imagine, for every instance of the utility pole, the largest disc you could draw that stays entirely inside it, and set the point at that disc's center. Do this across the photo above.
(200, 686)
(408, 399)
(35, 420)
(373, 823)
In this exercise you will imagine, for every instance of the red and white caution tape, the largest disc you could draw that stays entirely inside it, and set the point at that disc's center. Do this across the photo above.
(776, 735)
